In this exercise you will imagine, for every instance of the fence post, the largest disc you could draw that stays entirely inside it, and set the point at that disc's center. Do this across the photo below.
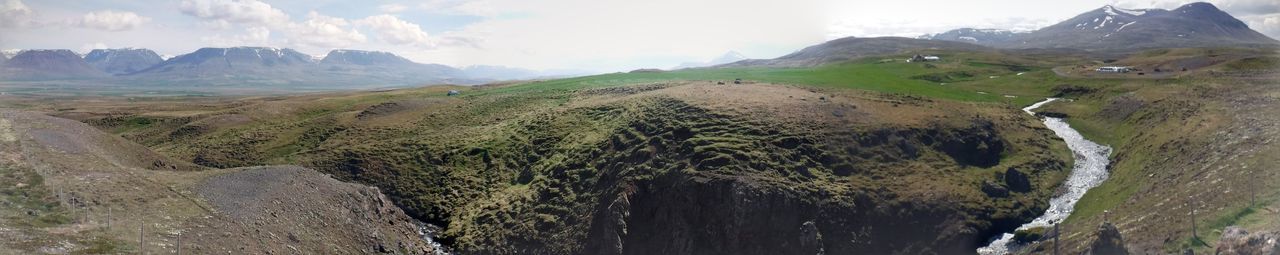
(142, 248)
(1253, 191)
(1056, 233)
(179, 242)
(108, 218)
(1191, 204)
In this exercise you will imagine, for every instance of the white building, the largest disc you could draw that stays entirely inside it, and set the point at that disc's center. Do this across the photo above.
(1113, 69)
(923, 58)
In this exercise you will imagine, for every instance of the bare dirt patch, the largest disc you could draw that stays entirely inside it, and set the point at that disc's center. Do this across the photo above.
(107, 191)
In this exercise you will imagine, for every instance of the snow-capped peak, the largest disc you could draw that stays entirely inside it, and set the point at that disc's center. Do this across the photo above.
(1109, 10)
(1113, 11)
(9, 53)
(1134, 12)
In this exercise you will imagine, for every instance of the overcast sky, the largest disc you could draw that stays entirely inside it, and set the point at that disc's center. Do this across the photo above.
(597, 35)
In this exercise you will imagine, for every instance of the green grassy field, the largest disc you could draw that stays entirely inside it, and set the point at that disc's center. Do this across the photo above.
(984, 78)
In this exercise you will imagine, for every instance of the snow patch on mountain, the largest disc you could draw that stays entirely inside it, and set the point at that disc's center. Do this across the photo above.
(9, 53)
(1125, 25)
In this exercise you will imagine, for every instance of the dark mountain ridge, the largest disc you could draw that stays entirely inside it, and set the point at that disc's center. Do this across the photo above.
(122, 61)
(1115, 29)
(47, 64)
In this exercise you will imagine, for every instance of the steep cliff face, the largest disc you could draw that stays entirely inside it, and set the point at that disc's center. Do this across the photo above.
(682, 214)
(739, 206)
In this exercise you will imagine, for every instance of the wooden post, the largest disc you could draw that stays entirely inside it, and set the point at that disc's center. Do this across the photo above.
(179, 242)
(108, 218)
(1056, 233)
(1192, 205)
(1253, 191)
(141, 247)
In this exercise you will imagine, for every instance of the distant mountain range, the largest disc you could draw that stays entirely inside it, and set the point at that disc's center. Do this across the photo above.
(247, 66)
(850, 48)
(975, 36)
(728, 57)
(1106, 29)
(122, 61)
(1115, 29)
(48, 65)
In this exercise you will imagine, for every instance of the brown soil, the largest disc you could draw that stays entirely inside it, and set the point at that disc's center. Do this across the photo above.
(70, 176)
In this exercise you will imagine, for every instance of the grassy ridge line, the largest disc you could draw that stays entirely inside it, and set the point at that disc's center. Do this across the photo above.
(985, 73)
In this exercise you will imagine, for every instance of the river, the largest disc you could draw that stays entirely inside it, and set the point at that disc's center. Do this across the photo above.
(1088, 171)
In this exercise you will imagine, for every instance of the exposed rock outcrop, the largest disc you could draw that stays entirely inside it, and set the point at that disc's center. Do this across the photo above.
(1108, 242)
(1236, 240)
(1016, 180)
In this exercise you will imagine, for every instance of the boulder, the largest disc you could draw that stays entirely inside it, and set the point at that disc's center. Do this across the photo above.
(994, 190)
(1236, 240)
(810, 238)
(1108, 241)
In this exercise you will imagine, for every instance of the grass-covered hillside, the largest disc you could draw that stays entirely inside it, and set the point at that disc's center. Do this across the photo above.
(1202, 140)
(874, 155)
(648, 161)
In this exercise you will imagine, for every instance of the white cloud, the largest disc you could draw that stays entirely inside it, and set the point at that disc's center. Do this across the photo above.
(460, 7)
(216, 24)
(253, 36)
(392, 8)
(324, 31)
(111, 20)
(13, 13)
(1266, 24)
(396, 31)
(624, 35)
(235, 11)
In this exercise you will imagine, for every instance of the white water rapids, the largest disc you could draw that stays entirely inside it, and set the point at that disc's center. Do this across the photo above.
(1089, 170)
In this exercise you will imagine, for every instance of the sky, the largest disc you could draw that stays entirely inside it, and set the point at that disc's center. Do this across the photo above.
(588, 35)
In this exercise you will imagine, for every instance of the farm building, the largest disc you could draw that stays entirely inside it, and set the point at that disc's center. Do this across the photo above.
(1113, 69)
(923, 58)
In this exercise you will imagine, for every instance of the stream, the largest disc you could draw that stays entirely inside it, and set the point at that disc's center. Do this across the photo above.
(1088, 171)
(429, 233)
